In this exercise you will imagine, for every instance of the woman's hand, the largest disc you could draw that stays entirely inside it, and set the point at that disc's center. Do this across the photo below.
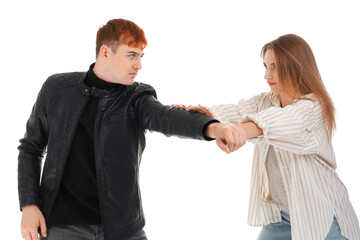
(228, 138)
(199, 108)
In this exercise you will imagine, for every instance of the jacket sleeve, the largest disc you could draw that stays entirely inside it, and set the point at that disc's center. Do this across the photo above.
(170, 121)
(31, 151)
(291, 128)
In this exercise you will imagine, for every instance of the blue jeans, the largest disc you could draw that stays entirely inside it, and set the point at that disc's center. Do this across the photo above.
(83, 232)
(282, 230)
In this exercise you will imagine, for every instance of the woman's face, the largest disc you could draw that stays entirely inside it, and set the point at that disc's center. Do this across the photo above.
(270, 71)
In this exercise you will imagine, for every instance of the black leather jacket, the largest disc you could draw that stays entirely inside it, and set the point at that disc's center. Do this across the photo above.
(119, 136)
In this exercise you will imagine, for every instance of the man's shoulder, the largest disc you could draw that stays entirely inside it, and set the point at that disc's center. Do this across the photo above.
(63, 80)
(143, 88)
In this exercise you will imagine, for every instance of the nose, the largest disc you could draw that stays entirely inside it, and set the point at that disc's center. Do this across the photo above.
(138, 65)
(267, 76)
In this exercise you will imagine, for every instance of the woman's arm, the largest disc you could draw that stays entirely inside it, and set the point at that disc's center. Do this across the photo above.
(251, 129)
(291, 128)
(233, 114)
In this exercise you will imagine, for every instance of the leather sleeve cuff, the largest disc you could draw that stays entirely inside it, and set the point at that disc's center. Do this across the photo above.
(206, 126)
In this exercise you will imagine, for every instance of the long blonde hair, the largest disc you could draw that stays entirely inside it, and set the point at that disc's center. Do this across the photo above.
(299, 75)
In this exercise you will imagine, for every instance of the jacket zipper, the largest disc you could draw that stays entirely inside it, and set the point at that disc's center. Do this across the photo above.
(99, 175)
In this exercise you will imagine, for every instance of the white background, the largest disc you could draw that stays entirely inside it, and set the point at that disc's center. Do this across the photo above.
(203, 52)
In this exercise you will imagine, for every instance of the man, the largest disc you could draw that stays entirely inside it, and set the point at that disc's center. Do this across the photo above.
(92, 125)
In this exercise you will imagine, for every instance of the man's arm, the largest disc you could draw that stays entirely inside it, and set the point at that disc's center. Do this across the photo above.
(179, 122)
(31, 151)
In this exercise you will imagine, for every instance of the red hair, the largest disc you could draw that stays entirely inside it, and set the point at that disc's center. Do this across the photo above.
(120, 31)
(298, 73)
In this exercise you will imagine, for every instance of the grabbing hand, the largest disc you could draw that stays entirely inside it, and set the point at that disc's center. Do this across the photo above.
(228, 138)
(32, 218)
(199, 108)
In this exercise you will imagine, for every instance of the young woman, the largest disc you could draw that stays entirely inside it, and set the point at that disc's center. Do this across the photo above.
(295, 191)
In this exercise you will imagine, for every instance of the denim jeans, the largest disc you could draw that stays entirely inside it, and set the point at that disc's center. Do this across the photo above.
(83, 232)
(282, 230)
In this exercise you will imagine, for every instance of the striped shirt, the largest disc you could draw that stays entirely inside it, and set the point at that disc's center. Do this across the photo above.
(306, 161)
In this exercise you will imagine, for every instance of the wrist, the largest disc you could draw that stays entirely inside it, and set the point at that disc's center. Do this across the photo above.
(250, 129)
(211, 129)
(242, 128)
(29, 207)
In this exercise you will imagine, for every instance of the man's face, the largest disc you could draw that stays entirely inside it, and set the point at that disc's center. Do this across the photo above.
(124, 64)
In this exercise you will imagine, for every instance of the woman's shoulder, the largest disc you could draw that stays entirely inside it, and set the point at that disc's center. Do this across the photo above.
(307, 99)
(307, 103)
(268, 99)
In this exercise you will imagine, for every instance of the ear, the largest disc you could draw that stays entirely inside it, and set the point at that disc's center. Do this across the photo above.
(104, 53)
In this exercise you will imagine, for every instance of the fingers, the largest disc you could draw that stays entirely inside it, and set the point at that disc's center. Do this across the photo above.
(34, 235)
(199, 108)
(239, 137)
(179, 106)
(210, 113)
(30, 234)
(192, 108)
(27, 236)
(230, 139)
(237, 141)
(43, 227)
(225, 139)
(222, 145)
(185, 107)
(31, 219)
(203, 110)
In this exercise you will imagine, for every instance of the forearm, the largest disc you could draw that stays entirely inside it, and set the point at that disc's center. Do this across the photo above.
(172, 121)
(251, 129)
(28, 183)
(29, 171)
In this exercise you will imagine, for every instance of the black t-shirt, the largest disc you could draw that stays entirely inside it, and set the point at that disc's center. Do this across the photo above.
(77, 201)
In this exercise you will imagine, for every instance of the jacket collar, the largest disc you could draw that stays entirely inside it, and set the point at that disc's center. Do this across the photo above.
(97, 92)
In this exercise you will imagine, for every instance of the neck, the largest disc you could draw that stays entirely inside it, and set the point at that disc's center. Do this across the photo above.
(93, 80)
(286, 99)
(101, 73)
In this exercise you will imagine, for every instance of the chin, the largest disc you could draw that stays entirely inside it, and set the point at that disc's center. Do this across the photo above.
(274, 90)
(126, 81)
(129, 82)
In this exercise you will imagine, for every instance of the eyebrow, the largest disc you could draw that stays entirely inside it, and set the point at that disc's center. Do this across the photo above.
(271, 64)
(133, 52)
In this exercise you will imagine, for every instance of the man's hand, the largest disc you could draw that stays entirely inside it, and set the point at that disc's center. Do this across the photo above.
(228, 139)
(32, 218)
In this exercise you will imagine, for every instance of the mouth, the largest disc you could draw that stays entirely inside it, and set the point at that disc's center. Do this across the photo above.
(133, 74)
(271, 84)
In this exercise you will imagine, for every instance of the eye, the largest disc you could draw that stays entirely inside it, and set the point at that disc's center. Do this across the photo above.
(131, 55)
